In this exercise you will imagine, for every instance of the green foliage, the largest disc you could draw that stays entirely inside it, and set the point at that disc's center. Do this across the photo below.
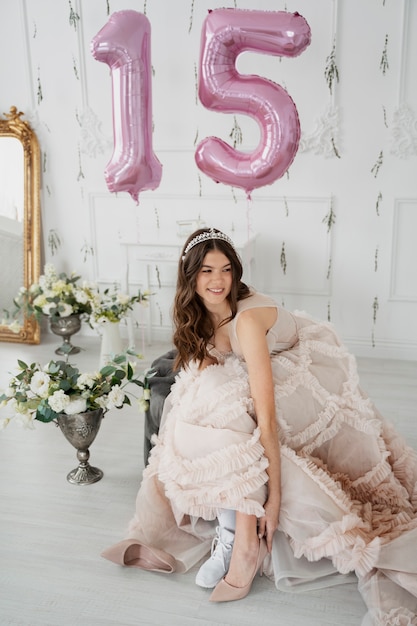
(42, 393)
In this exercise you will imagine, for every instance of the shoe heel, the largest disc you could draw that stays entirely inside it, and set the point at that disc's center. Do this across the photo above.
(224, 592)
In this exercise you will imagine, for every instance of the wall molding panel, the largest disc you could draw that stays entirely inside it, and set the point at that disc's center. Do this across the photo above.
(404, 251)
(356, 158)
(404, 121)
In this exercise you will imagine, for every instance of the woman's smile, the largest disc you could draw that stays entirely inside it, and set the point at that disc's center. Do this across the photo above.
(214, 280)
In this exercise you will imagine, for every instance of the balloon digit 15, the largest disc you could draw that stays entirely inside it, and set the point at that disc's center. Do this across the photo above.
(226, 33)
(124, 44)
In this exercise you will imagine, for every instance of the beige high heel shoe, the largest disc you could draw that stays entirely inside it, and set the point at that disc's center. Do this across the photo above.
(224, 592)
(131, 553)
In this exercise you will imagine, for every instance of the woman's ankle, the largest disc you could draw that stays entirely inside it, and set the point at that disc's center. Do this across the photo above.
(243, 562)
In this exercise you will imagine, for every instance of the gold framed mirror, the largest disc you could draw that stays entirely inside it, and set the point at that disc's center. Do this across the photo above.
(20, 230)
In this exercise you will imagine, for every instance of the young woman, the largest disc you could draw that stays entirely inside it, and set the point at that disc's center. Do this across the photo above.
(269, 441)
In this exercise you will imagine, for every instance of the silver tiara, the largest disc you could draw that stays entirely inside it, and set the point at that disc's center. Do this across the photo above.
(211, 234)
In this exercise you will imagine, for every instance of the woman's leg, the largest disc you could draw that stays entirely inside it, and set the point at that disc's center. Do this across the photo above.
(245, 550)
(247, 557)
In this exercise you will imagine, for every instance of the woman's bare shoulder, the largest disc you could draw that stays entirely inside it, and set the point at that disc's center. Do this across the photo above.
(256, 300)
(264, 316)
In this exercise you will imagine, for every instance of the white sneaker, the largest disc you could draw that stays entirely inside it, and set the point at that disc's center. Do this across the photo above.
(217, 566)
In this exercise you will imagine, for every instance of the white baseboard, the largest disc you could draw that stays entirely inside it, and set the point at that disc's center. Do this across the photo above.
(401, 351)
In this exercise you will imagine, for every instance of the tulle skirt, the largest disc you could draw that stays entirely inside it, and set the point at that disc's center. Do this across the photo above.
(348, 480)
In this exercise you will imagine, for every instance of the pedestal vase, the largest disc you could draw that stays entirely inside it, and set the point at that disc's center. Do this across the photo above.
(80, 430)
(65, 327)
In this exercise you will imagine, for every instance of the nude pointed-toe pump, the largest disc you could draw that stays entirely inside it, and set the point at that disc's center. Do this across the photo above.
(131, 553)
(224, 592)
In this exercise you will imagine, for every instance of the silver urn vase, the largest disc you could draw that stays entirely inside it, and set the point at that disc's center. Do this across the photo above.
(80, 430)
(65, 327)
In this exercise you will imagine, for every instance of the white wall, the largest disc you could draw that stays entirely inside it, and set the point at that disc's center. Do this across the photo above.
(369, 112)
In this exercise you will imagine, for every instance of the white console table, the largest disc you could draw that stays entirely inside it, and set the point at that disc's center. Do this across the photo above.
(151, 259)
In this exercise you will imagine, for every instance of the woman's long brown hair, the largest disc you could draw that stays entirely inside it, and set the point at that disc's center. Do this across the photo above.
(193, 324)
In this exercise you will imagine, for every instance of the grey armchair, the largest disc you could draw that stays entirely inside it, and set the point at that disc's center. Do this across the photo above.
(160, 385)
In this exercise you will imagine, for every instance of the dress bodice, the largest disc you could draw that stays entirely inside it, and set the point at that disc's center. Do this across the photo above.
(281, 336)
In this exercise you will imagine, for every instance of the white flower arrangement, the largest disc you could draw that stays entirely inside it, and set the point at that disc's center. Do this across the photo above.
(42, 393)
(113, 306)
(55, 295)
(58, 295)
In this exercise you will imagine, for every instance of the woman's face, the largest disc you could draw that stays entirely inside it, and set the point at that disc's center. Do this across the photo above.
(214, 279)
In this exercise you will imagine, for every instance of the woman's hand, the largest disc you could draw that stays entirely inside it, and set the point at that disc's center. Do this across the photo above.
(268, 524)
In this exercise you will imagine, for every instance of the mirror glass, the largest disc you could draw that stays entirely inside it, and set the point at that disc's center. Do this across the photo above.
(19, 221)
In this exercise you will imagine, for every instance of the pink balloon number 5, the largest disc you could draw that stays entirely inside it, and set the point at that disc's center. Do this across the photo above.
(124, 44)
(226, 33)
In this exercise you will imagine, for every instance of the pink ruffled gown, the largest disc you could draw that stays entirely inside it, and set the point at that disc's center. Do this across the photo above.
(349, 482)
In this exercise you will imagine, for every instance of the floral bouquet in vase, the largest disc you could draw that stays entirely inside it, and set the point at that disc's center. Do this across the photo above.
(55, 295)
(60, 298)
(75, 401)
(108, 308)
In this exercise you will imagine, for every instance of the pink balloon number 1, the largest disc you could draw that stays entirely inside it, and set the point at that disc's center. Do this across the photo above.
(226, 33)
(124, 44)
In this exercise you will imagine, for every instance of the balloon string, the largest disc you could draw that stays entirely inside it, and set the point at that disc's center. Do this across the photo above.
(249, 232)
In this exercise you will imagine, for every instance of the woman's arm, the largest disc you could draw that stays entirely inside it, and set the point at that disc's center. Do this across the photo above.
(252, 326)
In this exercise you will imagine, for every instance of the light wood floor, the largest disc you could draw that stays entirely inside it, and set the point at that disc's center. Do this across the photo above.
(52, 532)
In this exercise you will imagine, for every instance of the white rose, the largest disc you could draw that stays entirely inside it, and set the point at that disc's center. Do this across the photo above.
(81, 296)
(40, 300)
(48, 307)
(115, 398)
(58, 401)
(146, 394)
(102, 402)
(76, 406)
(59, 286)
(86, 380)
(65, 310)
(39, 384)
